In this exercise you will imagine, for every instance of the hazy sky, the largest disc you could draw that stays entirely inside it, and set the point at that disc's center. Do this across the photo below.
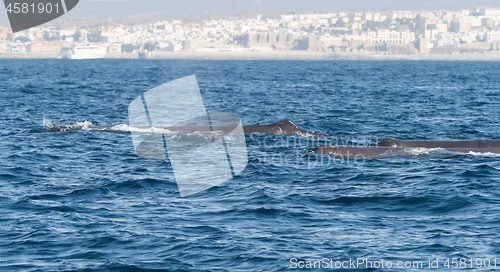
(170, 8)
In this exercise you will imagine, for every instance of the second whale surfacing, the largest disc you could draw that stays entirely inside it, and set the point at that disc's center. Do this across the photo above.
(392, 147)
(442, 144)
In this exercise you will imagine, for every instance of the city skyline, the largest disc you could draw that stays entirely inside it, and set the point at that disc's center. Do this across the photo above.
(396, 32)
(169, 8)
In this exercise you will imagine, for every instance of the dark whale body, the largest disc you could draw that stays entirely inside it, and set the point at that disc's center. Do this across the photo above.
(441, 144)
(392, 146)
(461, 147)
(284, 127)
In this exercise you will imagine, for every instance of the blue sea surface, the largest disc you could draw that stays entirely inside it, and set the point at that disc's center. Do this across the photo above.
(84, 201)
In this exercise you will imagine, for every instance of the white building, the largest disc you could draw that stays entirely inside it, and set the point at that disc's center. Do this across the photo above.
(391, 36)
(489, 12)
(401, 14)
(493, 36)
(174, 47)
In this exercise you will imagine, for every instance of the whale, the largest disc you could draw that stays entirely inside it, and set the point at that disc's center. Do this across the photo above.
(381, 151)
(441, 144)
(393, 146)
(284, 127)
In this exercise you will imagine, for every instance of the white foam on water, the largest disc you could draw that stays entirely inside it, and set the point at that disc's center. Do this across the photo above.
(153, 130)
(47, 123)
(85, 125)
(436, 152)
(423, 151)
(209, 136)
(305, 134)
(485, 154)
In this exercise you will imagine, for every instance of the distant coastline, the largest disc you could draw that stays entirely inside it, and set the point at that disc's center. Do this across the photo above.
(273, 55)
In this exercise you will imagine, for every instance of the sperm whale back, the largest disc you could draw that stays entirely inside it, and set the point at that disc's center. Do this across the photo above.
(380, 151)
(441, 144)
(284, 127)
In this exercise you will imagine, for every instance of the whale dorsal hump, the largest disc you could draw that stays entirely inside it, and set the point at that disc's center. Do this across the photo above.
(389, 142)
(285, 124)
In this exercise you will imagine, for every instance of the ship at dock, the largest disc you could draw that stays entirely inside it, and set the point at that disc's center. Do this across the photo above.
(83, 51)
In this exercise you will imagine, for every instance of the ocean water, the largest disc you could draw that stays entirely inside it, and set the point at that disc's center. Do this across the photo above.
(83, 201)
